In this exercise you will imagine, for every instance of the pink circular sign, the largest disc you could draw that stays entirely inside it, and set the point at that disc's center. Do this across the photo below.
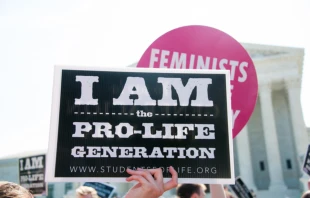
(202, 47)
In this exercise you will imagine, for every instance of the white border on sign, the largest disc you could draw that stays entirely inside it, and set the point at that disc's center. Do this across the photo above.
(53, 136)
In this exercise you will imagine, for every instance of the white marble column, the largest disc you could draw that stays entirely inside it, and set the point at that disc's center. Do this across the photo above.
(293, 88)
(298, 124)
(244, 158)
(270, 133)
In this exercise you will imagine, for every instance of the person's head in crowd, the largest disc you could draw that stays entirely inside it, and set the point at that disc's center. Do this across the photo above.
(191, 191)
(86, 192)
(12, 190)
(306, 194)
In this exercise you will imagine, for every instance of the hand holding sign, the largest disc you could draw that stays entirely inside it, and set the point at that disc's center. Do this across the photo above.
(151, 183)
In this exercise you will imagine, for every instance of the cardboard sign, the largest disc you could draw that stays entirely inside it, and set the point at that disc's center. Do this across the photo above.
(103, 190)
(107, 120)
(32, 174)
(241, 190)
(202, 47)
(306, 167)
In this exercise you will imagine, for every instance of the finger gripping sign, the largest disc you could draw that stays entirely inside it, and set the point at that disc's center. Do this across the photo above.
(202, 47)
(107, 120)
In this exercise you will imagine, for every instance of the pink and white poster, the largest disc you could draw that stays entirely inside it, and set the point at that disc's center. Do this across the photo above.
(202, 47)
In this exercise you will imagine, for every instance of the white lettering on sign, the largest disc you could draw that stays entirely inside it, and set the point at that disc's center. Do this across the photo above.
(173, 92)
(31, 178)
(136, 86)
(141, 152)
(86, 90)
(141, 91)
(125, 130)
(178, 61)
(33, 185)
(31, 163)
(234, 116)
(184, 92)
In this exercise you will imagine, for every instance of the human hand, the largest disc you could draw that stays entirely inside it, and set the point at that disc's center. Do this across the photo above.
(150, 182)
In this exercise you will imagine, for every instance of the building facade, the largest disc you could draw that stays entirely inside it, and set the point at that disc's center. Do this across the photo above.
(270, 149)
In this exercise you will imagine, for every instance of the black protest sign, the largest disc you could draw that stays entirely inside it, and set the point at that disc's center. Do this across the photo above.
(306, 166)
(32, 174)
(103, 190)
(241, 190)
(105, 121)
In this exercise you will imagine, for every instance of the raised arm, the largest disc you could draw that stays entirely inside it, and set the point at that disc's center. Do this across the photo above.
(150, 183)
(217, 191)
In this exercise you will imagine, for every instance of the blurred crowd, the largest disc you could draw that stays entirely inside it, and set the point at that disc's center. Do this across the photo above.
(149, 184)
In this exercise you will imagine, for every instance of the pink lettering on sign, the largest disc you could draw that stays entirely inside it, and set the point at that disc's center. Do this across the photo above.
(202, 47)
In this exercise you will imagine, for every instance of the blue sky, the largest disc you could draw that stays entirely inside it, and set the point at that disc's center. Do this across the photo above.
(36, 35)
